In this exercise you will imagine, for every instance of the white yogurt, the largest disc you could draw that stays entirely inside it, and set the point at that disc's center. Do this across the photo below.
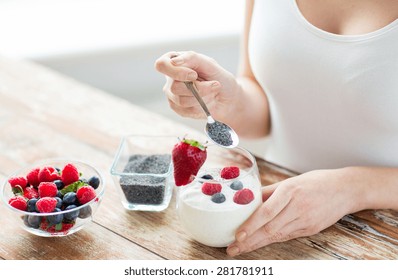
(214, 224)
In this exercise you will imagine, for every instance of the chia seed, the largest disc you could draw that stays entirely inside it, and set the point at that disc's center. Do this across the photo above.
(142, 186)
(220, 133)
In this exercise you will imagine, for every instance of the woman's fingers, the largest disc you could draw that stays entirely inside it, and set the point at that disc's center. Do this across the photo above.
(264, 214)
(267, 191)
(277, 229)
(204, 88)
(178, 93)
(257, 243)
(165, 65)
(281, 228)
(188, 66)
(205, 66)
(215, 85)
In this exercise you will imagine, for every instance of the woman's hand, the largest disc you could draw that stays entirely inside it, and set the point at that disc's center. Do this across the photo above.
(216, 86)
(299, 206)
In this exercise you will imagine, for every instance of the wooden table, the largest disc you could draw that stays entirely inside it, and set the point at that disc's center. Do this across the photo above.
(43, 114)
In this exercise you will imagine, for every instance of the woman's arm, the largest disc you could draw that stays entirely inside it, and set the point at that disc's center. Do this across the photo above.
(378, 187)
(255, 101)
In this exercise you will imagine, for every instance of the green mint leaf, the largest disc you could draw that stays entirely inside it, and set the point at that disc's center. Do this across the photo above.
(72, 187)
(17, 190)
(58, 227)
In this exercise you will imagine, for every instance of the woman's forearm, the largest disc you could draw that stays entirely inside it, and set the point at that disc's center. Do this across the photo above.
(250, 114)
(377, 187)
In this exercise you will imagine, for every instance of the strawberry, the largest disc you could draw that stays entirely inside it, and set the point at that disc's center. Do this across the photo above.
(33, 177)
(85, 194)
(230, 172)
(243, 196)
(48, 174)
(188, 156)
(18, 202)
(211, 188)
(47, 189)
(70, 174)
(18, 182)
(30, 192)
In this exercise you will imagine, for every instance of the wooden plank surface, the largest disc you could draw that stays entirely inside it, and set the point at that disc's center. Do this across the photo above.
(43, 114)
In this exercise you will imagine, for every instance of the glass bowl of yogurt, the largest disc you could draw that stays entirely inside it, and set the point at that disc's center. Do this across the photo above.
(225, 192)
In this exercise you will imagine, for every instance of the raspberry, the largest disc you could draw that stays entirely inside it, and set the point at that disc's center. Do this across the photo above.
(65, 227)
(48, 174)
(33, 177)
(230, 172)
(18, 202)
(243, 196)
(85, 194)
(70, 174)
(211, 188)
(18, 182)
(30, 192)
(46, 204)
(47, 189)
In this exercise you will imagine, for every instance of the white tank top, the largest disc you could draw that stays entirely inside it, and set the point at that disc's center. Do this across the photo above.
(333, 98)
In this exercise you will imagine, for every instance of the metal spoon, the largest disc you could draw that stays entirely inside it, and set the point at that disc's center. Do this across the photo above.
(220, 133)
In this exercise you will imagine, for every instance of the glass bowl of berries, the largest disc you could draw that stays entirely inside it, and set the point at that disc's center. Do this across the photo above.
(54, 197)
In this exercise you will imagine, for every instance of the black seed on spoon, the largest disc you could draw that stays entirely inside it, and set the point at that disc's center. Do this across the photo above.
(220, 133)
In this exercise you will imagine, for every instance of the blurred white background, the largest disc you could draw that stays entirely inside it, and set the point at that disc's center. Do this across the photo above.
(113, 44)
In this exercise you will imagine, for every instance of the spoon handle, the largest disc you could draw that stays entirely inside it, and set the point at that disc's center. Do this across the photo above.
(192, 88)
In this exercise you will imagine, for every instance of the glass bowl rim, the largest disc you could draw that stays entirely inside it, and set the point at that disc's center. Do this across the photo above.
(42, 162)
(247, 153)
(124, 139)
(123, 142)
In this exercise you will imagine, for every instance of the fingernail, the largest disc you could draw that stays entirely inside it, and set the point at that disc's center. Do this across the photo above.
(241, 236)
(178, 60)
(233, 251)
(191, 76)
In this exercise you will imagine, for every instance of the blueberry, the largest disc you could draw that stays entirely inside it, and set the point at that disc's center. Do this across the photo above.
(207, 177)
(60, 195)
(59, 202)
(85, 212)
(56, 218)
(60, 185)
(236, 185)
(70, 216)
(84, 181)
(218, 198)
(32, 205)
(69, 198)
(25, 220)
(94, 182)
(34, 221)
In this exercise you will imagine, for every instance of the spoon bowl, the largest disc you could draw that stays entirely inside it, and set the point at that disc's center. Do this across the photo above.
(220, 133)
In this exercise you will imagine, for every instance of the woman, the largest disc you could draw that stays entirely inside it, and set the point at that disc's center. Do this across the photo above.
(320, 78)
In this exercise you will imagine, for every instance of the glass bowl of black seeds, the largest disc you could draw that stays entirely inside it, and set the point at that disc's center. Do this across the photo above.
(142, 171)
